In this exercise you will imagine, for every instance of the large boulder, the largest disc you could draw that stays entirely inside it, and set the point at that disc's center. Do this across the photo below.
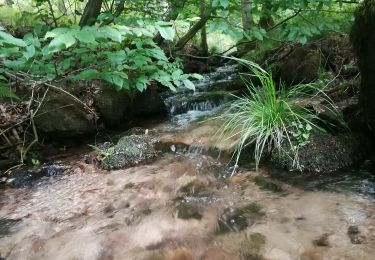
(129, 151)
(294, 63)
(117, 108)
(300, 66)
(62, 116)
(322, 153)
(363, 40)
(114, 107)
(149, 103)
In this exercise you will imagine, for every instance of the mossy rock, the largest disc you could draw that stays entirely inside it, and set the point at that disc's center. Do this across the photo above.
(239, 218)
(129, 151)
(323, 153)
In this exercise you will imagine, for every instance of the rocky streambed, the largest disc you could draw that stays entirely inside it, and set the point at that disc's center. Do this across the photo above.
(176, 199)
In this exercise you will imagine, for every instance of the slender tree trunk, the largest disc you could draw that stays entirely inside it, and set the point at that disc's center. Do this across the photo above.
(246, 14)
(246, 24)
(204, 44)
(91, 12)
(266, 21)
(194, 30)
(119, 9)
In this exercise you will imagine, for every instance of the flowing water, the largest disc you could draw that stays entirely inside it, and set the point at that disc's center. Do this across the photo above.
(186, 205)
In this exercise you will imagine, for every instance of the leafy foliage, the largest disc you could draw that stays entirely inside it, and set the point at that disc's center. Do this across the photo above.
(267, 117)
(124, 56)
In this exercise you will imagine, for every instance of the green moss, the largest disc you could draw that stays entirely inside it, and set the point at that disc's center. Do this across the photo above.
(129, 151)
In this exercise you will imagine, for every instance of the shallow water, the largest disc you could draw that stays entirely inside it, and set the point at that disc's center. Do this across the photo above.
(185, 205)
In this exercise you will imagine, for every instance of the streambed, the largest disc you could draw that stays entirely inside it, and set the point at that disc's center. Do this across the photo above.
(186, 205)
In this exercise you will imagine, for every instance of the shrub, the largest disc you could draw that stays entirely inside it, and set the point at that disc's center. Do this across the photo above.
(267, 116)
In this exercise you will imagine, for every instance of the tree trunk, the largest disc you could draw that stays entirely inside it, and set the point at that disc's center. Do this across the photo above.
(193, 30)
(363, 40)
(266, 21)
(204, 44)
(175, 8)
(119, 9)
(246, 25)
(246, 14)
(91, 12)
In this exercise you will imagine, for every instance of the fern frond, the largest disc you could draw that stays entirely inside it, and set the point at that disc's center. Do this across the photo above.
(7, 92)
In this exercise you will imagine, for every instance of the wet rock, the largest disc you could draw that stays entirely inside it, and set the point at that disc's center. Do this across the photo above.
(61, 116)
(196, 188)
(117, 108)
(27, 176)
(188, 210)
(323, 153)
(113, 106)
(353, 230)
(322, 240)
(251, 246)
(129, 151)
(6, 226)
(148, 103)
(199, 101)
(239, 218)
(355, 236)
(267, 183)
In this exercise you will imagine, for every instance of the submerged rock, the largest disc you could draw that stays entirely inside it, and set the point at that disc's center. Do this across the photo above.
(239, 218)
(28, 176)
(252, 245)
(6, 225)
(129, 151)
(322, 153)
(267, 183)
(188, 210)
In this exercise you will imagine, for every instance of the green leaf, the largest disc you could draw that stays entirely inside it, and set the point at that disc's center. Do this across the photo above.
(29, 52)
(56, 32)
(61, 42)
(5, 91)
(258, 35)
(167, 32)
(9, 39)
(188, 84)
(85, 36)
(88, 74)
(302, 40)
(112, 34)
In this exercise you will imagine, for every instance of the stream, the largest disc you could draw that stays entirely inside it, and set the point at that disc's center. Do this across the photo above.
(185, 204)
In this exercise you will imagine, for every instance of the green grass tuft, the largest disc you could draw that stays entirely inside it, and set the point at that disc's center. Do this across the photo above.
(269, 115)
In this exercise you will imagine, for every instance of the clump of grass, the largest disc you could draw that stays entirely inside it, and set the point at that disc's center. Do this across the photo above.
(269, 115)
